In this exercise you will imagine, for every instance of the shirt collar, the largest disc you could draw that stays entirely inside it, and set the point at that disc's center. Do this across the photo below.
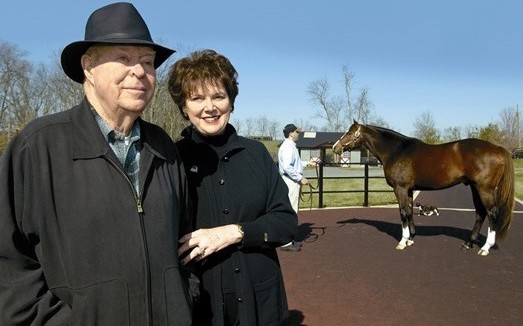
(111, 135)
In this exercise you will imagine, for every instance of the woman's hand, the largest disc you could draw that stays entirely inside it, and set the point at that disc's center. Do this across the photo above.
(204, 242)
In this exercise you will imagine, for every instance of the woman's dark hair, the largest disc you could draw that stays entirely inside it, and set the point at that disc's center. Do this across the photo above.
(198, 69)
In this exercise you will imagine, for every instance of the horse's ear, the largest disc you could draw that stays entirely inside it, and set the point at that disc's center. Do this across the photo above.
(354, 121)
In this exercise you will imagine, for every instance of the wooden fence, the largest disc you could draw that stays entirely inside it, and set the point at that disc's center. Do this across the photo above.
(319, 190)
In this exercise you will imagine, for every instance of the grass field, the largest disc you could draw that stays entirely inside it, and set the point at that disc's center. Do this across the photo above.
(518, 167)
(351, 198)
(375, 198)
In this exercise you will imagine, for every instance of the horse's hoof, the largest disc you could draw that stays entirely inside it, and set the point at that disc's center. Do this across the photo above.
(483, 252)
(466, 246)
(401, 246)
(410, 243)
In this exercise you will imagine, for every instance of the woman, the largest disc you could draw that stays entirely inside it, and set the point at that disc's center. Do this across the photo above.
(242, 211)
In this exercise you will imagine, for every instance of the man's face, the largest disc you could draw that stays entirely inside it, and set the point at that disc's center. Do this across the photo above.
(294, 135)
(123, 77)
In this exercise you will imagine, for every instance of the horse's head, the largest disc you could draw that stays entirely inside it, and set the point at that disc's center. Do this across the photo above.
(349, 140)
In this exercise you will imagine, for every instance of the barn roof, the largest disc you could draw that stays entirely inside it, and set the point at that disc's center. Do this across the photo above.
(316, 139)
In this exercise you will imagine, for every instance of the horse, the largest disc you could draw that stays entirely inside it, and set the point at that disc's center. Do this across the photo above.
(410, 164)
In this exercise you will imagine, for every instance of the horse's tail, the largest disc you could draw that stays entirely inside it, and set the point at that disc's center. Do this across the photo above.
(505, 198)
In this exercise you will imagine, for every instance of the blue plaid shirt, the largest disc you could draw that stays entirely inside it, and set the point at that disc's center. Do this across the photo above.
(126, 149)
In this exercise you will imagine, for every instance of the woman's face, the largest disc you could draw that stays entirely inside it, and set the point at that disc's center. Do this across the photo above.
(208, 109)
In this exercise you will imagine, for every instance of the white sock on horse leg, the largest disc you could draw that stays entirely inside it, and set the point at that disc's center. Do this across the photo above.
(491, 239)
(405, 235)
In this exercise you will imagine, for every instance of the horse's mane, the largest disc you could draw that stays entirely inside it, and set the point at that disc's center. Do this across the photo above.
(389, 132)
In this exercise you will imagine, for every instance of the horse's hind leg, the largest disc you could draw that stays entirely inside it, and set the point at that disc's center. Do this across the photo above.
(407, 223)
(481, 213)
(491, 240)
(492, 212)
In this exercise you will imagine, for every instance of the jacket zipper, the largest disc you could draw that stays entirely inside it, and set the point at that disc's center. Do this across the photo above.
(139, 208)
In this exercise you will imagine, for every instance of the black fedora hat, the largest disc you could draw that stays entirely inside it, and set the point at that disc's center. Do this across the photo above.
(117, 23)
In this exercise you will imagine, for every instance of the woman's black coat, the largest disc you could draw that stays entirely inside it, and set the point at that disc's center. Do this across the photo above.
(233, 179)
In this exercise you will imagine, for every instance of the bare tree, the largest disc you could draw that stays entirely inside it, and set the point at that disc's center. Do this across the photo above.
(161, 103)
(238, 124)
(339, 112)
(378, 121)
(451, 134)
(348, 76)
(262, 124)
(251, 127)
(162, 110)
(25, 91)
(425, 129)
(331, 110)
(362, 107)
(273, 128)
(509, 128)
(62, 91)
(472, 131)
(491, 133)
(14, 74)
(306, 126)
(258, 127)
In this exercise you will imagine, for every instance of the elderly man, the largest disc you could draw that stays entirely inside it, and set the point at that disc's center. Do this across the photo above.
(92, 198)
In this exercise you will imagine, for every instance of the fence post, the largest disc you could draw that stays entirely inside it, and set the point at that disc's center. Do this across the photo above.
(366, 186)
(320, 185)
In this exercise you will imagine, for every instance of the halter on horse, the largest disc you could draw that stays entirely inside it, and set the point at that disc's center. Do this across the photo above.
(410, 164)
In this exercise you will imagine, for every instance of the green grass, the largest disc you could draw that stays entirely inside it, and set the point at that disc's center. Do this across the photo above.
(518, 167)
(383, 196)
(272, 146)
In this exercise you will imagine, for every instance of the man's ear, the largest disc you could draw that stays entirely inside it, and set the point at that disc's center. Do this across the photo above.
(87, 64)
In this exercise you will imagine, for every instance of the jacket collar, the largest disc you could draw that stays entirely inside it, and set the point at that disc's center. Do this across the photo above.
(227, 143)
(88, 140)
(229, 137)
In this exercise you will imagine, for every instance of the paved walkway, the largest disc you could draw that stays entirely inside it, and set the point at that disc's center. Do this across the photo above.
(348, 272)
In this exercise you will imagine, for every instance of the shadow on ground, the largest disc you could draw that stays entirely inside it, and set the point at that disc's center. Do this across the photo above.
(394, 230)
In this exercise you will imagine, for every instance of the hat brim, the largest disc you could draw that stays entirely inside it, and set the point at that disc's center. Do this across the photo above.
(72, 54)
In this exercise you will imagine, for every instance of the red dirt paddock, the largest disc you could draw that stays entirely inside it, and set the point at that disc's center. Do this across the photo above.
(349, 272)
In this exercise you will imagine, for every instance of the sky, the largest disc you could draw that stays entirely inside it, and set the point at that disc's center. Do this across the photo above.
(459, 60)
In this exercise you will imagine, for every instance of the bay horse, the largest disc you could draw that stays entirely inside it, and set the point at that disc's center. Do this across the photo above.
(410, 164)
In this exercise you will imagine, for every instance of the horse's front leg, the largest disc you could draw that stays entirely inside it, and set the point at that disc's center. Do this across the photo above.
(407, 223)
(469, 244)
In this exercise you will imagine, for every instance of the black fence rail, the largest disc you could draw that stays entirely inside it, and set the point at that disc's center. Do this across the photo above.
(320, 177)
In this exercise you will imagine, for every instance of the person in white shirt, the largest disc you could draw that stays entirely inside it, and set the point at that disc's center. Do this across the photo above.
(291, 169)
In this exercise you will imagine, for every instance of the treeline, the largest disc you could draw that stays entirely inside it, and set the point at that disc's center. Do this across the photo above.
(29, 90)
